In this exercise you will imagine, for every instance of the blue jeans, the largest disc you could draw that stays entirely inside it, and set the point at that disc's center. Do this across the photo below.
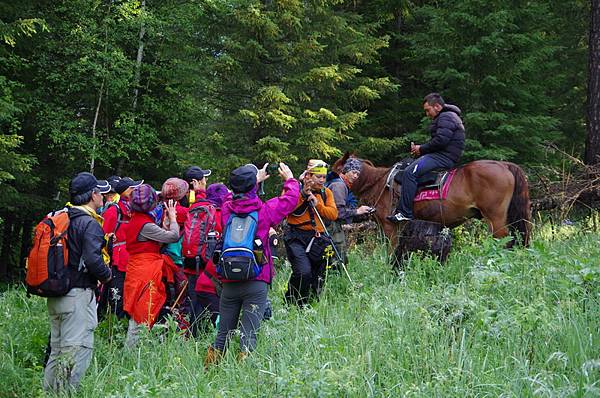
(411, 175)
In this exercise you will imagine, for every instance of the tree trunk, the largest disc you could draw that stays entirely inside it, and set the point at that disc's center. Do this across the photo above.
(592, 144)
(6, 255)
(138, 61)
(26, 230)
(92, 162)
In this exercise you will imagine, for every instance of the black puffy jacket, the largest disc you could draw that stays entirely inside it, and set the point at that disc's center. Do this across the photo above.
(85, 240)
(447, 134)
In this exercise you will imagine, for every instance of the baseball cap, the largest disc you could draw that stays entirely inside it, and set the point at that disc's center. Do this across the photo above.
(195, 173)
(126, 182)
(243, 179)
(85, 182)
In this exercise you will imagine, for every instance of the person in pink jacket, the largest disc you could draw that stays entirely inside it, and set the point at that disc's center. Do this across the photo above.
(250, 296)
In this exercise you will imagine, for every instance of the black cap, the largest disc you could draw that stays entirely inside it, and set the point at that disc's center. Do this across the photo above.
(85, 182)
(126, 182)
(195, 173)
(113, 180)
(242, 179)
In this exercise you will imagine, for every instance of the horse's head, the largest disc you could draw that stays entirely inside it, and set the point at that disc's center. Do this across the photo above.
(338, 165)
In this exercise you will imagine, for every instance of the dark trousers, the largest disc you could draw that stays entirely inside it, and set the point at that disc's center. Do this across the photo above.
(411, 175)
(111, 295)
(190, 304)
(249, 298)
(308, 269)
(207, 308)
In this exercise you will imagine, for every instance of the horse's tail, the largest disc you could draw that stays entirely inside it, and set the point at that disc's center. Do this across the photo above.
(519, 209)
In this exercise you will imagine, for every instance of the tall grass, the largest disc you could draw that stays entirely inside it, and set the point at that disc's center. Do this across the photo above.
(491, 322)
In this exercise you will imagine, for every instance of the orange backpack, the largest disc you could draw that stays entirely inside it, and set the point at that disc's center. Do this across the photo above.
(47, 273)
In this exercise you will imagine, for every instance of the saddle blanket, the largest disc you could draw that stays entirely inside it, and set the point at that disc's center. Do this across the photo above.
(434, 194)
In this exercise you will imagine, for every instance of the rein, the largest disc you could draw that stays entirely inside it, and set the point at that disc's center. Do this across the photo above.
(382, 189)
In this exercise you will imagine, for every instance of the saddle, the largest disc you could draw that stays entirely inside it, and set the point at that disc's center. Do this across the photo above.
(435, 179)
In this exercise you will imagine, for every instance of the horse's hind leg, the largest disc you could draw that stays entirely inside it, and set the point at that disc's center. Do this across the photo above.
(496, 219)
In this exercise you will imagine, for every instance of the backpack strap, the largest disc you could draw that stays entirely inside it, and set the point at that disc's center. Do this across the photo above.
(311, 213)
(209, 225)
(216, 283)
(119, 216)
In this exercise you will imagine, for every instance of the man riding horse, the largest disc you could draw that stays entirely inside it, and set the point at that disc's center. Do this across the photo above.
(443, 151)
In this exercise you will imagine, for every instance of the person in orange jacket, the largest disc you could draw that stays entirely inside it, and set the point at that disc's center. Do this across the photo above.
(305, 241)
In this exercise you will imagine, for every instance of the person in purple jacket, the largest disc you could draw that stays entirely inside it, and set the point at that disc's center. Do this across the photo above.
(250, 297)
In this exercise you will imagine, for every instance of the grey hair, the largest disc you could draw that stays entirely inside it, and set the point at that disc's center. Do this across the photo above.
(434, 98)
(83, 198)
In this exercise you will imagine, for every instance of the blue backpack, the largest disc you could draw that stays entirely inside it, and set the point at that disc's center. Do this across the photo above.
(238, 261)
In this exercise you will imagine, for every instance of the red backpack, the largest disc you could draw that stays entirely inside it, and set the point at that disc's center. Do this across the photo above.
(199, 234)
(47, 273)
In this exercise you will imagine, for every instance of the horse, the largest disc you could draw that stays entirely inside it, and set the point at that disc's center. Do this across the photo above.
(493, 190)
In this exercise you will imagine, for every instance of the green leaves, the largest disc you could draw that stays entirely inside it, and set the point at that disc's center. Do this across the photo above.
(292, 72)
(9, 32)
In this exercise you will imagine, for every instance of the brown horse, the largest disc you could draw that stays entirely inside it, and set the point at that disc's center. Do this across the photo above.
(493, 190)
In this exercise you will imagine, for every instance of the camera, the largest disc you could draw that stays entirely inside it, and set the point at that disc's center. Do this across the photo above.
(272, 168)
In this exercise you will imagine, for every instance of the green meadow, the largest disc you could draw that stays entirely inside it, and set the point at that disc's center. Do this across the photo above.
(490, 322)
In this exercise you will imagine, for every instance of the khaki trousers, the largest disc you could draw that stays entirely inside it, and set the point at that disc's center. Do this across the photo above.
(73, 320)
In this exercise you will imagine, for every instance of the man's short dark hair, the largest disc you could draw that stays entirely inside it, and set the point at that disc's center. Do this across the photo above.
(434, 98)
(83, 198)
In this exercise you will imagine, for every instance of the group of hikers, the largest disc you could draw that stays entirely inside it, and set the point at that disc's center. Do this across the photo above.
(202, 252)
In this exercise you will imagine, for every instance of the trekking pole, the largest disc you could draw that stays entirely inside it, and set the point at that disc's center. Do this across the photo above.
(335, 250)
(183, 290)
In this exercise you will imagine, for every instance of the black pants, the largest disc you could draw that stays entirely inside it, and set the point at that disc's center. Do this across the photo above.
(308, 268)
(207, 308)
(190, 305)
(248, 298)
(111, 295)
(411, 175)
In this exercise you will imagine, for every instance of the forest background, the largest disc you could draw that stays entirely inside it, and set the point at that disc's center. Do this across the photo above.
(147, 88)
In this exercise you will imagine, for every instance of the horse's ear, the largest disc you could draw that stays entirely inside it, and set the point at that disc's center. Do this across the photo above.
(337, 166)
(345, 157)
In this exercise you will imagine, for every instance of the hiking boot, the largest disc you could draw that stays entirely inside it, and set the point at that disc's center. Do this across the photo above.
(241, 357)
(213, 356)
(398, 217)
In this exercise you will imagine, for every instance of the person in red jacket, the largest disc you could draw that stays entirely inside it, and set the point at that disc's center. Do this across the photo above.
(208, 286)
(116, 217)
(144, 292)
(196, 178)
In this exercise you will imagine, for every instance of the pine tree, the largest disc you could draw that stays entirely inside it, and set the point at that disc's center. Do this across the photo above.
(289, 81)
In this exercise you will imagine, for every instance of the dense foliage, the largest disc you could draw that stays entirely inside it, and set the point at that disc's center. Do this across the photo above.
(145, 88)
(490, 322)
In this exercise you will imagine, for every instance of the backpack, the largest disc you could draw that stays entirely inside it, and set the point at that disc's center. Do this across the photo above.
(238, 259)
(199, 235)
(119, 215)
(47, 272)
